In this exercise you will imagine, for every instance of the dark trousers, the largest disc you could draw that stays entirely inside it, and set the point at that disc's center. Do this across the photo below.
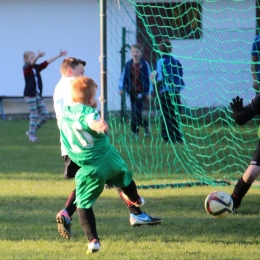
(171, 110)
(137, 104)
(70, 168)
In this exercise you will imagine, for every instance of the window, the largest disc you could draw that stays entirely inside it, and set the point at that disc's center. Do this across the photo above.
(171, 20)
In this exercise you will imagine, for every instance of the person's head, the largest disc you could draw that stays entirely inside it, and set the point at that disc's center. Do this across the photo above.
(137, 52)
(28, 56)
(84, 91)
(165, 46)
(72, 67)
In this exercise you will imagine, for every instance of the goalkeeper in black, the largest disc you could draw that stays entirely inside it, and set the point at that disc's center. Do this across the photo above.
(242, 114)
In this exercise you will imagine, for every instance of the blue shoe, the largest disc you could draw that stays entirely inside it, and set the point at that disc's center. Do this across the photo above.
(144, 219)
(64, 224)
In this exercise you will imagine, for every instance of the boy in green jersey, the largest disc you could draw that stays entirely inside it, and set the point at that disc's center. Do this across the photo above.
(83, 136)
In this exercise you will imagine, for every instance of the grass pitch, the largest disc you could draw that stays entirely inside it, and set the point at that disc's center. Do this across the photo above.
(32, 191)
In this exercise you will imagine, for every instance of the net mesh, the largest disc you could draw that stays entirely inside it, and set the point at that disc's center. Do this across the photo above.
(213, 41)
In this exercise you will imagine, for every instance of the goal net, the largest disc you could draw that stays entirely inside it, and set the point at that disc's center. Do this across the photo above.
(213, 42)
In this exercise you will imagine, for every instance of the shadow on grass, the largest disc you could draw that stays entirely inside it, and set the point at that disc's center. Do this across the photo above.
(33, 218)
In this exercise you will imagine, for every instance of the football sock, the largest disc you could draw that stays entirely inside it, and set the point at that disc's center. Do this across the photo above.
(240, 190)
(131, 191)
(70, 205)
(88, 223)
(132, 209)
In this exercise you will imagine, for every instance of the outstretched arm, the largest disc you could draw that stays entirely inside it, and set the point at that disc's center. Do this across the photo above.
(62, 53)
(40, 54)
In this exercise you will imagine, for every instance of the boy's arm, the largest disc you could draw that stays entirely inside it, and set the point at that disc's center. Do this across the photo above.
(96, 123)
(156, 75)
(62, 53)
(99, 126)
(40, 54)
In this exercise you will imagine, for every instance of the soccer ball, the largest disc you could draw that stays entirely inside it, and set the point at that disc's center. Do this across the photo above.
(219, 204)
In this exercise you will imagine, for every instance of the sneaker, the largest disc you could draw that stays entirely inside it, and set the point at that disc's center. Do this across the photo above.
(144, 219)
(33, 138)
(64, 224)
(27, 133)
(93, 246)
(139, 203)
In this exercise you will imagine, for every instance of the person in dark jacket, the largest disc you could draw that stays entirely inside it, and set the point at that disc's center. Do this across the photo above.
(135, 81)
(242, 114)
(33, 90)
(169, 77)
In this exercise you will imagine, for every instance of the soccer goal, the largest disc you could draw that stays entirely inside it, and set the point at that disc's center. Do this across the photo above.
(213, 42)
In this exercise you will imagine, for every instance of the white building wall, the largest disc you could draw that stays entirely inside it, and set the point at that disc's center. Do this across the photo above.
(47, 26)
(216, 68)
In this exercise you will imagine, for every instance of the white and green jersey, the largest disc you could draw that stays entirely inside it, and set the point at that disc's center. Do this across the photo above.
(82, 144)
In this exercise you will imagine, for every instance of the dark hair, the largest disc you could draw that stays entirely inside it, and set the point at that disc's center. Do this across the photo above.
(70, 63)
(138, 46)
(165, 46)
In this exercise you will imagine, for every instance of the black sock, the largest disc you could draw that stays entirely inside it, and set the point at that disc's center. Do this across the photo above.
(240, 190)
(135, 210)
(131, 191)
(88, 223)
(70, 205)
(132, 209)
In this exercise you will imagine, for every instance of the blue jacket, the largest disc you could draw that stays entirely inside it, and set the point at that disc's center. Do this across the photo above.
(125, 82)
(170, 74)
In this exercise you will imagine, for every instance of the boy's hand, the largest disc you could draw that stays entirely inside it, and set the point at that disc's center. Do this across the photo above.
(237, 104)
(120, 92)
(99, 126)
(153, 76)
(63, 53)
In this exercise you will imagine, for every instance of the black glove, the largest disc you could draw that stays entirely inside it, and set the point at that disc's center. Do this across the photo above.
(237, 104)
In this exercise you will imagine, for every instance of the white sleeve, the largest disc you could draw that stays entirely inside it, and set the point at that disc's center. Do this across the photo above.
(91, 117)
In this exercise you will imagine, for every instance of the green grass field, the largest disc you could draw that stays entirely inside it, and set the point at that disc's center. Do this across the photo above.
(32, 191)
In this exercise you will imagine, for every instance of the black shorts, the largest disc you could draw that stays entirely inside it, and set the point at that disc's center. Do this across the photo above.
(256, 157)
(70, 169)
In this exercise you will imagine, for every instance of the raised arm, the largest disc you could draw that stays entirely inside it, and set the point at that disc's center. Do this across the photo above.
(40, 54)
(62, 53)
